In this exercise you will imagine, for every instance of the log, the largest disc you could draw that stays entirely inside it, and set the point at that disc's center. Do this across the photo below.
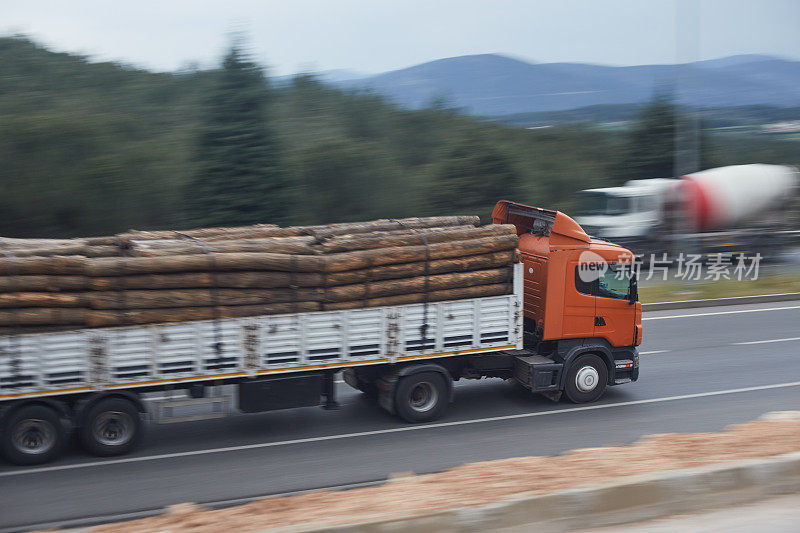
(103, 251)
(43, 283)
(96, 319)
(57, 265)
(106, 266)
(282, 245)
(479, 291)
(10, 242)
(271, 230)
(27, 330)
(43, 299)
(48, 271)
(77, 250)
(36, 316)
(191, 280)
(156, 299)
(42, 249)
(213, 234)
(417, 285)
(407, 270)
(19, 320)
(174, 298)
(410, 254)
(346, 243)
(345, 228)
(268, 280)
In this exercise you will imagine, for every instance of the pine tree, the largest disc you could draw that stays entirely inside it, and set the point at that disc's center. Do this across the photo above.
(239, 179)
(665, 141)
(651, 147)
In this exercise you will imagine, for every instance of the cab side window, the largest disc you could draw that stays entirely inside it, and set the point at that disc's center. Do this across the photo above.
(585, 287)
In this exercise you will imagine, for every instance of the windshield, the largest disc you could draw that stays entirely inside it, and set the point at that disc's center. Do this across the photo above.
(600, 203)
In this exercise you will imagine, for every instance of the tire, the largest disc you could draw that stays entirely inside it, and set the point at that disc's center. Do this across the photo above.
(111, 427)
(587, 379)
(421, 397)
(32, 435)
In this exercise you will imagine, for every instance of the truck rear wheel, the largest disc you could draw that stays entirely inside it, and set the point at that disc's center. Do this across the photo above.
(421, 397)
(586, 379)
(32, 435)
(111, 427)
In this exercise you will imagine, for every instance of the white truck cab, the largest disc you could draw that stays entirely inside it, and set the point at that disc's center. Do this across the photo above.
(631, 213)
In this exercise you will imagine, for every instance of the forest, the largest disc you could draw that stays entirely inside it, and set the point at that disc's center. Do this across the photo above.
(90, 148)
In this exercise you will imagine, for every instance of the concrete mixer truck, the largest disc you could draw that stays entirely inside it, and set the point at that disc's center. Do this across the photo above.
(742, 209)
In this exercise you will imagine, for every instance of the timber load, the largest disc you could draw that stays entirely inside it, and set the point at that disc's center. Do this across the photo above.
(143, 277)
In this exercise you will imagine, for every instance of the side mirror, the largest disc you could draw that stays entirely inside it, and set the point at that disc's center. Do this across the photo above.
(633, 290)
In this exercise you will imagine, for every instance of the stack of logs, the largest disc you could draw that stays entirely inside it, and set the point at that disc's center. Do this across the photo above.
(142, 277)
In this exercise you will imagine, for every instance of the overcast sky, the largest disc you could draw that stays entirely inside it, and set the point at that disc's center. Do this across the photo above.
(374, 35)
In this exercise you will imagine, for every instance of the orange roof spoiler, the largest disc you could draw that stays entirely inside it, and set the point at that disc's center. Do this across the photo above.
(529, 219)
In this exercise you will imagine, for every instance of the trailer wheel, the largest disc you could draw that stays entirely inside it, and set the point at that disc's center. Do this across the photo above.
(421, 397)
(111, 427)
(32, 435)
(586, 379)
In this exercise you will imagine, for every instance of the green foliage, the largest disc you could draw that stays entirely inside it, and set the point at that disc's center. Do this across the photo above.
(348, 181)
(651, 148)
(666, 141)
(471, 176)
(239, 179)
(97, 148)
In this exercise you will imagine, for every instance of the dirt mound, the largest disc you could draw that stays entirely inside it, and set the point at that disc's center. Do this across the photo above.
(487, 482)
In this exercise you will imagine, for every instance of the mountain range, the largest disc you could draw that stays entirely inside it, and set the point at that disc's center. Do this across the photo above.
(493, 84)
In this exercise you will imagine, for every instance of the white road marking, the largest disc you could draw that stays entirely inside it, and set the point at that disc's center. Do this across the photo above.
(723, 312)
(770, 340)
(400, 429)
(651, 352)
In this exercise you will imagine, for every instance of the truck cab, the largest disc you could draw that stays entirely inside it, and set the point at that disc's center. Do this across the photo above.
(632, 215)
(580, 297)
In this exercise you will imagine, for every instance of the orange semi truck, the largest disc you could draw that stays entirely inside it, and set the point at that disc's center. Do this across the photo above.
(581, 314)
(571, 326)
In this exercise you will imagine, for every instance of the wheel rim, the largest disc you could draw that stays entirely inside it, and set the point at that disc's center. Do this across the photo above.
(113, 428)
(587, 379)
(423, 397)
(34, 436)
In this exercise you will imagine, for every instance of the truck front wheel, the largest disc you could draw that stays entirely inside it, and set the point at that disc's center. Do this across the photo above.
(421, 397)
(111, 427)
(32, 435)
(586, 379)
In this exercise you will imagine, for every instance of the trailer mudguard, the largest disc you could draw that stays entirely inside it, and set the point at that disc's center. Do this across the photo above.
(429, 367)
(84, 404)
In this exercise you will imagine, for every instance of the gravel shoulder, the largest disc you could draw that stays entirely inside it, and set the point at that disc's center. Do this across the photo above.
(487, 482)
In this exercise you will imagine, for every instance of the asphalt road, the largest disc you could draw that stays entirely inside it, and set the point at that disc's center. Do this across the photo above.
(701, 369)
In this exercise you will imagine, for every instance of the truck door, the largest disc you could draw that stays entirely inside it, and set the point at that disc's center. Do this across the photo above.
(615, 314)
(579, 303)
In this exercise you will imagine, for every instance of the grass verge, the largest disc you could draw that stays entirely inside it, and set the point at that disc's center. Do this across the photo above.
(671, 291)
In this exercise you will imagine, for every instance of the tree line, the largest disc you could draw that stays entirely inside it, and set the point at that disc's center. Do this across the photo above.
(96, 148)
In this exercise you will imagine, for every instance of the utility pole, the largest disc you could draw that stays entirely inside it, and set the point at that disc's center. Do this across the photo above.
(687, 124)
(687, 135)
